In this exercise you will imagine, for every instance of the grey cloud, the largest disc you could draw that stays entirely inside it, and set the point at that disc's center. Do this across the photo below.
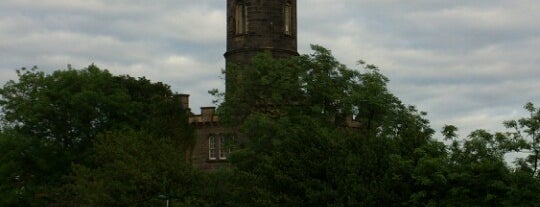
(469, 63)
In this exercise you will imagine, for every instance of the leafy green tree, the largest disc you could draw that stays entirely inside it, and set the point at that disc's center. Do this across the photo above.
(472, 172)
(523, 189)
(285, 164)
(526, 136)
(136, 169)
(479, 174)
(23, 163)
(55, 118)
(267, 86)
(70, 107)
(304, 147)
(67, 108)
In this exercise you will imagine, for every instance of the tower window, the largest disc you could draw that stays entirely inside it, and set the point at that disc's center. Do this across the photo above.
(241, 17)
(288, 19)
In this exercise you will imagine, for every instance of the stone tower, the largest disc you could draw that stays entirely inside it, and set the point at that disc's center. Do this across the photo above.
(255, 26)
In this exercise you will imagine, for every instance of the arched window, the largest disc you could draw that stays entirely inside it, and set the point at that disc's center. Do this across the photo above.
(287, 13)
(241, 17)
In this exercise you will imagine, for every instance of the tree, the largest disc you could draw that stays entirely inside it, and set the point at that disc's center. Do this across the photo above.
(473, 171)
(304, 148)
(56, 117)
(70, 107)
(23, 165)
(526, 136)
(478, 174)
(136, 169)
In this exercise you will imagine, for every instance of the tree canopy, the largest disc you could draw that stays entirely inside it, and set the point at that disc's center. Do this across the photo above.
(50, 121)
(312, 132)
(321, 134)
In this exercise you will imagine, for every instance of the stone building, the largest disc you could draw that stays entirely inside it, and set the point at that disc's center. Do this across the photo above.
(253, 26)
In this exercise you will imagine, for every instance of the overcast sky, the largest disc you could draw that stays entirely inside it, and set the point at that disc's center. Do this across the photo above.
(468, 63)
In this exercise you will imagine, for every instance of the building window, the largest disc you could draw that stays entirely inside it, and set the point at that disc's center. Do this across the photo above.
(219, 146)
(223, 147)
(288, 18)
(241, 17)
(212, 147)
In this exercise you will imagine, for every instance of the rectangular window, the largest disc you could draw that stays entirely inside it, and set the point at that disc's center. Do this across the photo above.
(223, 147)
(288, 19)
(212, 147)
(241, 18)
